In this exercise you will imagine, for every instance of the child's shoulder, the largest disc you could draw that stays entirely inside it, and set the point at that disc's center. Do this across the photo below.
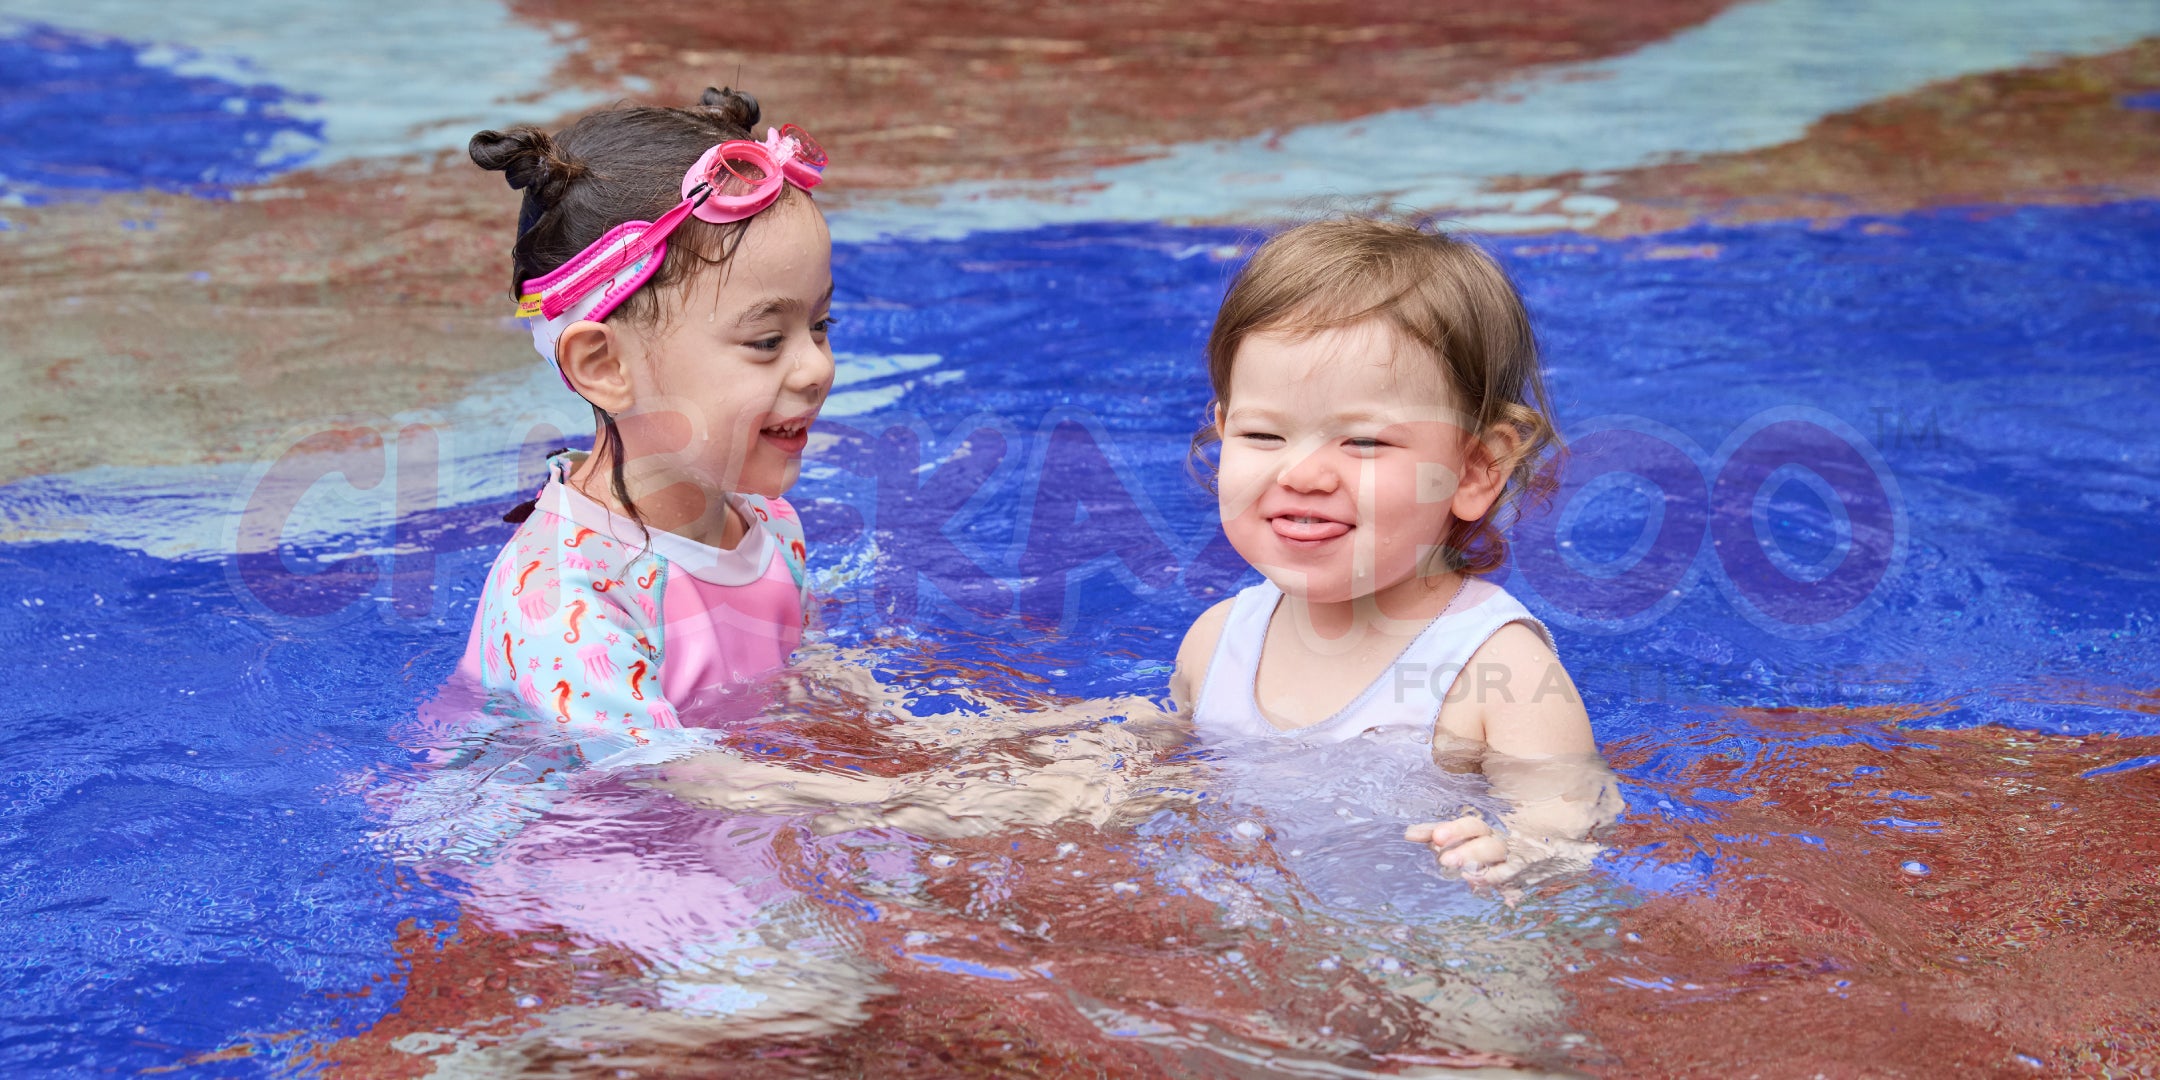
(1196, 651)
(554, 567)
(777, 516)
(1516, 697)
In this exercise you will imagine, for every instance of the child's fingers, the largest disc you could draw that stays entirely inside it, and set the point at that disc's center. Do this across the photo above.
(1475, 853)
(1441, 834)
(1497, 874)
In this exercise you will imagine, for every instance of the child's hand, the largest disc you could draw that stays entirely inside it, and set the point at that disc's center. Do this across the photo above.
(1468, 844)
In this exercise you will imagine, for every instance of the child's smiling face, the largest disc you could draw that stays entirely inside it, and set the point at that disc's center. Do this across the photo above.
(1343, 460)
(725, 388)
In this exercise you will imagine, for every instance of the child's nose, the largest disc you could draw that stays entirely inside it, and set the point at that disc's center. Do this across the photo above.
(1309, 473)
(813, 372)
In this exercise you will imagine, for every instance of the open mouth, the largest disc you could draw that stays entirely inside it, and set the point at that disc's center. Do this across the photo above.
(789, 435)
(1307, 528)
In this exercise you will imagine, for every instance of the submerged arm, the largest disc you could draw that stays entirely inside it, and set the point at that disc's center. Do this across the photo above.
(1005, 765)
(1516, 716)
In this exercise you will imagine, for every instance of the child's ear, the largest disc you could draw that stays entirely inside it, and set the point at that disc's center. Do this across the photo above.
(591, 355)
(1485, 471)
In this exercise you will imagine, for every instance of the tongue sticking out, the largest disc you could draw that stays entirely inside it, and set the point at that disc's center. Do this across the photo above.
(1307, 529)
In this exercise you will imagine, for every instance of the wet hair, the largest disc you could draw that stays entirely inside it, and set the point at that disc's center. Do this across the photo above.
(1441, 292)
(616, 165)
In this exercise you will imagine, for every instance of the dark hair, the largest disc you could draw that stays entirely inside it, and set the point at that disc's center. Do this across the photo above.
(1438, 290)
(620, 164)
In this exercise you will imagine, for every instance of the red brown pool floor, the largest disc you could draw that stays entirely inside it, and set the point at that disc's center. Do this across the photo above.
(1814, 947)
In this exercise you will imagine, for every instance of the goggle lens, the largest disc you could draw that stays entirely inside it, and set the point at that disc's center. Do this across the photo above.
(737, 175)
(807, 150)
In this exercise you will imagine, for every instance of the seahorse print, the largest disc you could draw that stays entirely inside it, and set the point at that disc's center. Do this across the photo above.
(577, 611)
(523, 575)
(637, 673)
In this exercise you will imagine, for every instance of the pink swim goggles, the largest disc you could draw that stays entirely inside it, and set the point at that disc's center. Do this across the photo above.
(730, 182)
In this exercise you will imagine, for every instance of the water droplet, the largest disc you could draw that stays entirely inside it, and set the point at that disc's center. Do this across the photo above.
(1915, 867)
(528, 1001)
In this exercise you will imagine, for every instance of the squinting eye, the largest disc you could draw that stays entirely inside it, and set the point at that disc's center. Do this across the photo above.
(1365, 444)
(1259, 436)
(823, 326)
(768, 344)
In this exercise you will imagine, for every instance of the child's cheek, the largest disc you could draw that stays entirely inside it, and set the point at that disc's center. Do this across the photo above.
(1240, 480)
(1407, 520)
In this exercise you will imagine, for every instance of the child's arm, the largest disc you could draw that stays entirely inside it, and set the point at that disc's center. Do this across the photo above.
(1009, 767)
(1517, 711)
(1193, 657)
(577, 648)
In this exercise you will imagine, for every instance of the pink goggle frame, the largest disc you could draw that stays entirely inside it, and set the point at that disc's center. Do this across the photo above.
(730, 182)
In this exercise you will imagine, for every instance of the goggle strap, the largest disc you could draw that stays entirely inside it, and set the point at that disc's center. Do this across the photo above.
(561, 298)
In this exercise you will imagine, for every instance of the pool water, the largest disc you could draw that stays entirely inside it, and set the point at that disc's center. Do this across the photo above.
(200, 788)
(1886, 724)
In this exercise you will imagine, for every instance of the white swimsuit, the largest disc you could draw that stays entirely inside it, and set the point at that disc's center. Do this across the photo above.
(1408, 695)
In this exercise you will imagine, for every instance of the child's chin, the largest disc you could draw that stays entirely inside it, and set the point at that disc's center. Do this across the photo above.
(1316, 588)
(772, 483)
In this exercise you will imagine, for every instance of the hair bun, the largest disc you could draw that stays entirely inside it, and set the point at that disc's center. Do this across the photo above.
(734, 106)
(527, 158)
